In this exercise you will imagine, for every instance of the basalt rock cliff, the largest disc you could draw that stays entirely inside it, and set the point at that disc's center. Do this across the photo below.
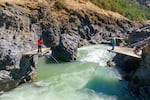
(84, 21)
(64, 25)
(16, 38)
(137, 71)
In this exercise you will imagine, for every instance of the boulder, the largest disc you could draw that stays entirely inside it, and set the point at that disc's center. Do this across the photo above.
(111, 63)
(50, 34)
(16, 38)
(67, 48)
(6, 81)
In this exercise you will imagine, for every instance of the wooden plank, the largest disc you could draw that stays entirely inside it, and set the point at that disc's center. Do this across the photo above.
(117, 38)
(125, 51)
(35, 52)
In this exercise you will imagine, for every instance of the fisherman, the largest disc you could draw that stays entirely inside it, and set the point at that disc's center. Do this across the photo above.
(113, 41)
(40, 43)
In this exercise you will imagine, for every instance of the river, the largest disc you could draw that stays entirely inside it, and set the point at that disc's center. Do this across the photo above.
(88, 78)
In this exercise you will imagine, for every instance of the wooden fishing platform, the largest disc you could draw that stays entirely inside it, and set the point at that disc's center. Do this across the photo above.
(35, 52)
(125, 51)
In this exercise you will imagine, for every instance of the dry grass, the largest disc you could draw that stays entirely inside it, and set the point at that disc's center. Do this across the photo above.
(25, 5)
(86, 4)
(22, 1)
(62, 15)
(70, 4)
(12, 1)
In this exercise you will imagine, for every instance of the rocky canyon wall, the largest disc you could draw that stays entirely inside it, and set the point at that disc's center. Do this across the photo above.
(64, 26)
(137, 71)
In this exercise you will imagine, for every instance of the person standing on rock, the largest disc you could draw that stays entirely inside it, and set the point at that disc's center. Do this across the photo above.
(40, 43)
(113, 41)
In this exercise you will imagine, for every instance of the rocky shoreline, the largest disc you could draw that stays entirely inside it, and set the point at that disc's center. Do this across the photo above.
(137, 71)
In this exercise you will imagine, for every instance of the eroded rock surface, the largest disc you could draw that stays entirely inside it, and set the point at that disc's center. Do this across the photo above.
(16, 37)
(63, 26)
(137, 71)
(67, 48)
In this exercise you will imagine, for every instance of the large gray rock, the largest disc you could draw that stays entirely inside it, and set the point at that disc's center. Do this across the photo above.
(6, 81)
(137, 70)
(50, 34)
(27, 71)
(67, 48)
(17, 37)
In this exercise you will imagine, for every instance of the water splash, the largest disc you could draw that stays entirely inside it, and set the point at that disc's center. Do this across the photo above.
(86, 79)
(97, 54)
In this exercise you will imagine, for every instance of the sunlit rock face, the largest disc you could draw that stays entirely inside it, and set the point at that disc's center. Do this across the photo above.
(17, 36)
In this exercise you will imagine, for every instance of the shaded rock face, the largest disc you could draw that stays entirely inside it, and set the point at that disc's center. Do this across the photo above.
(127, 63)
(13, 77)
(27, 71)
(50, 34)
(67, 48)
(140, 81)
(139, 34)
(137, 71)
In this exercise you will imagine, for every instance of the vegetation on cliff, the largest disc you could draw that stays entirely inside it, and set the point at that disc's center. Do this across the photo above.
(129, 8)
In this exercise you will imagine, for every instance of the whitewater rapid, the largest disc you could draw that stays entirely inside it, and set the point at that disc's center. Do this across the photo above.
(89, 78)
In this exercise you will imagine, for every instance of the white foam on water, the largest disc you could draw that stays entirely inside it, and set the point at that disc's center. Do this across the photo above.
(97, 54)
(75, 80)
(60, 87)
(70, 85)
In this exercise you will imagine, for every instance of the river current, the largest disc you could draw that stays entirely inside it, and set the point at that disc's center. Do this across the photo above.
(89, 78)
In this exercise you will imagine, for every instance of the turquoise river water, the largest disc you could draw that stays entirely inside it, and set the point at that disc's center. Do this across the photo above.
(88, 78)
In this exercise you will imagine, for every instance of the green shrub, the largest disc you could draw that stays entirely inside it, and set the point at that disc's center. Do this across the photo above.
(59, 4)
